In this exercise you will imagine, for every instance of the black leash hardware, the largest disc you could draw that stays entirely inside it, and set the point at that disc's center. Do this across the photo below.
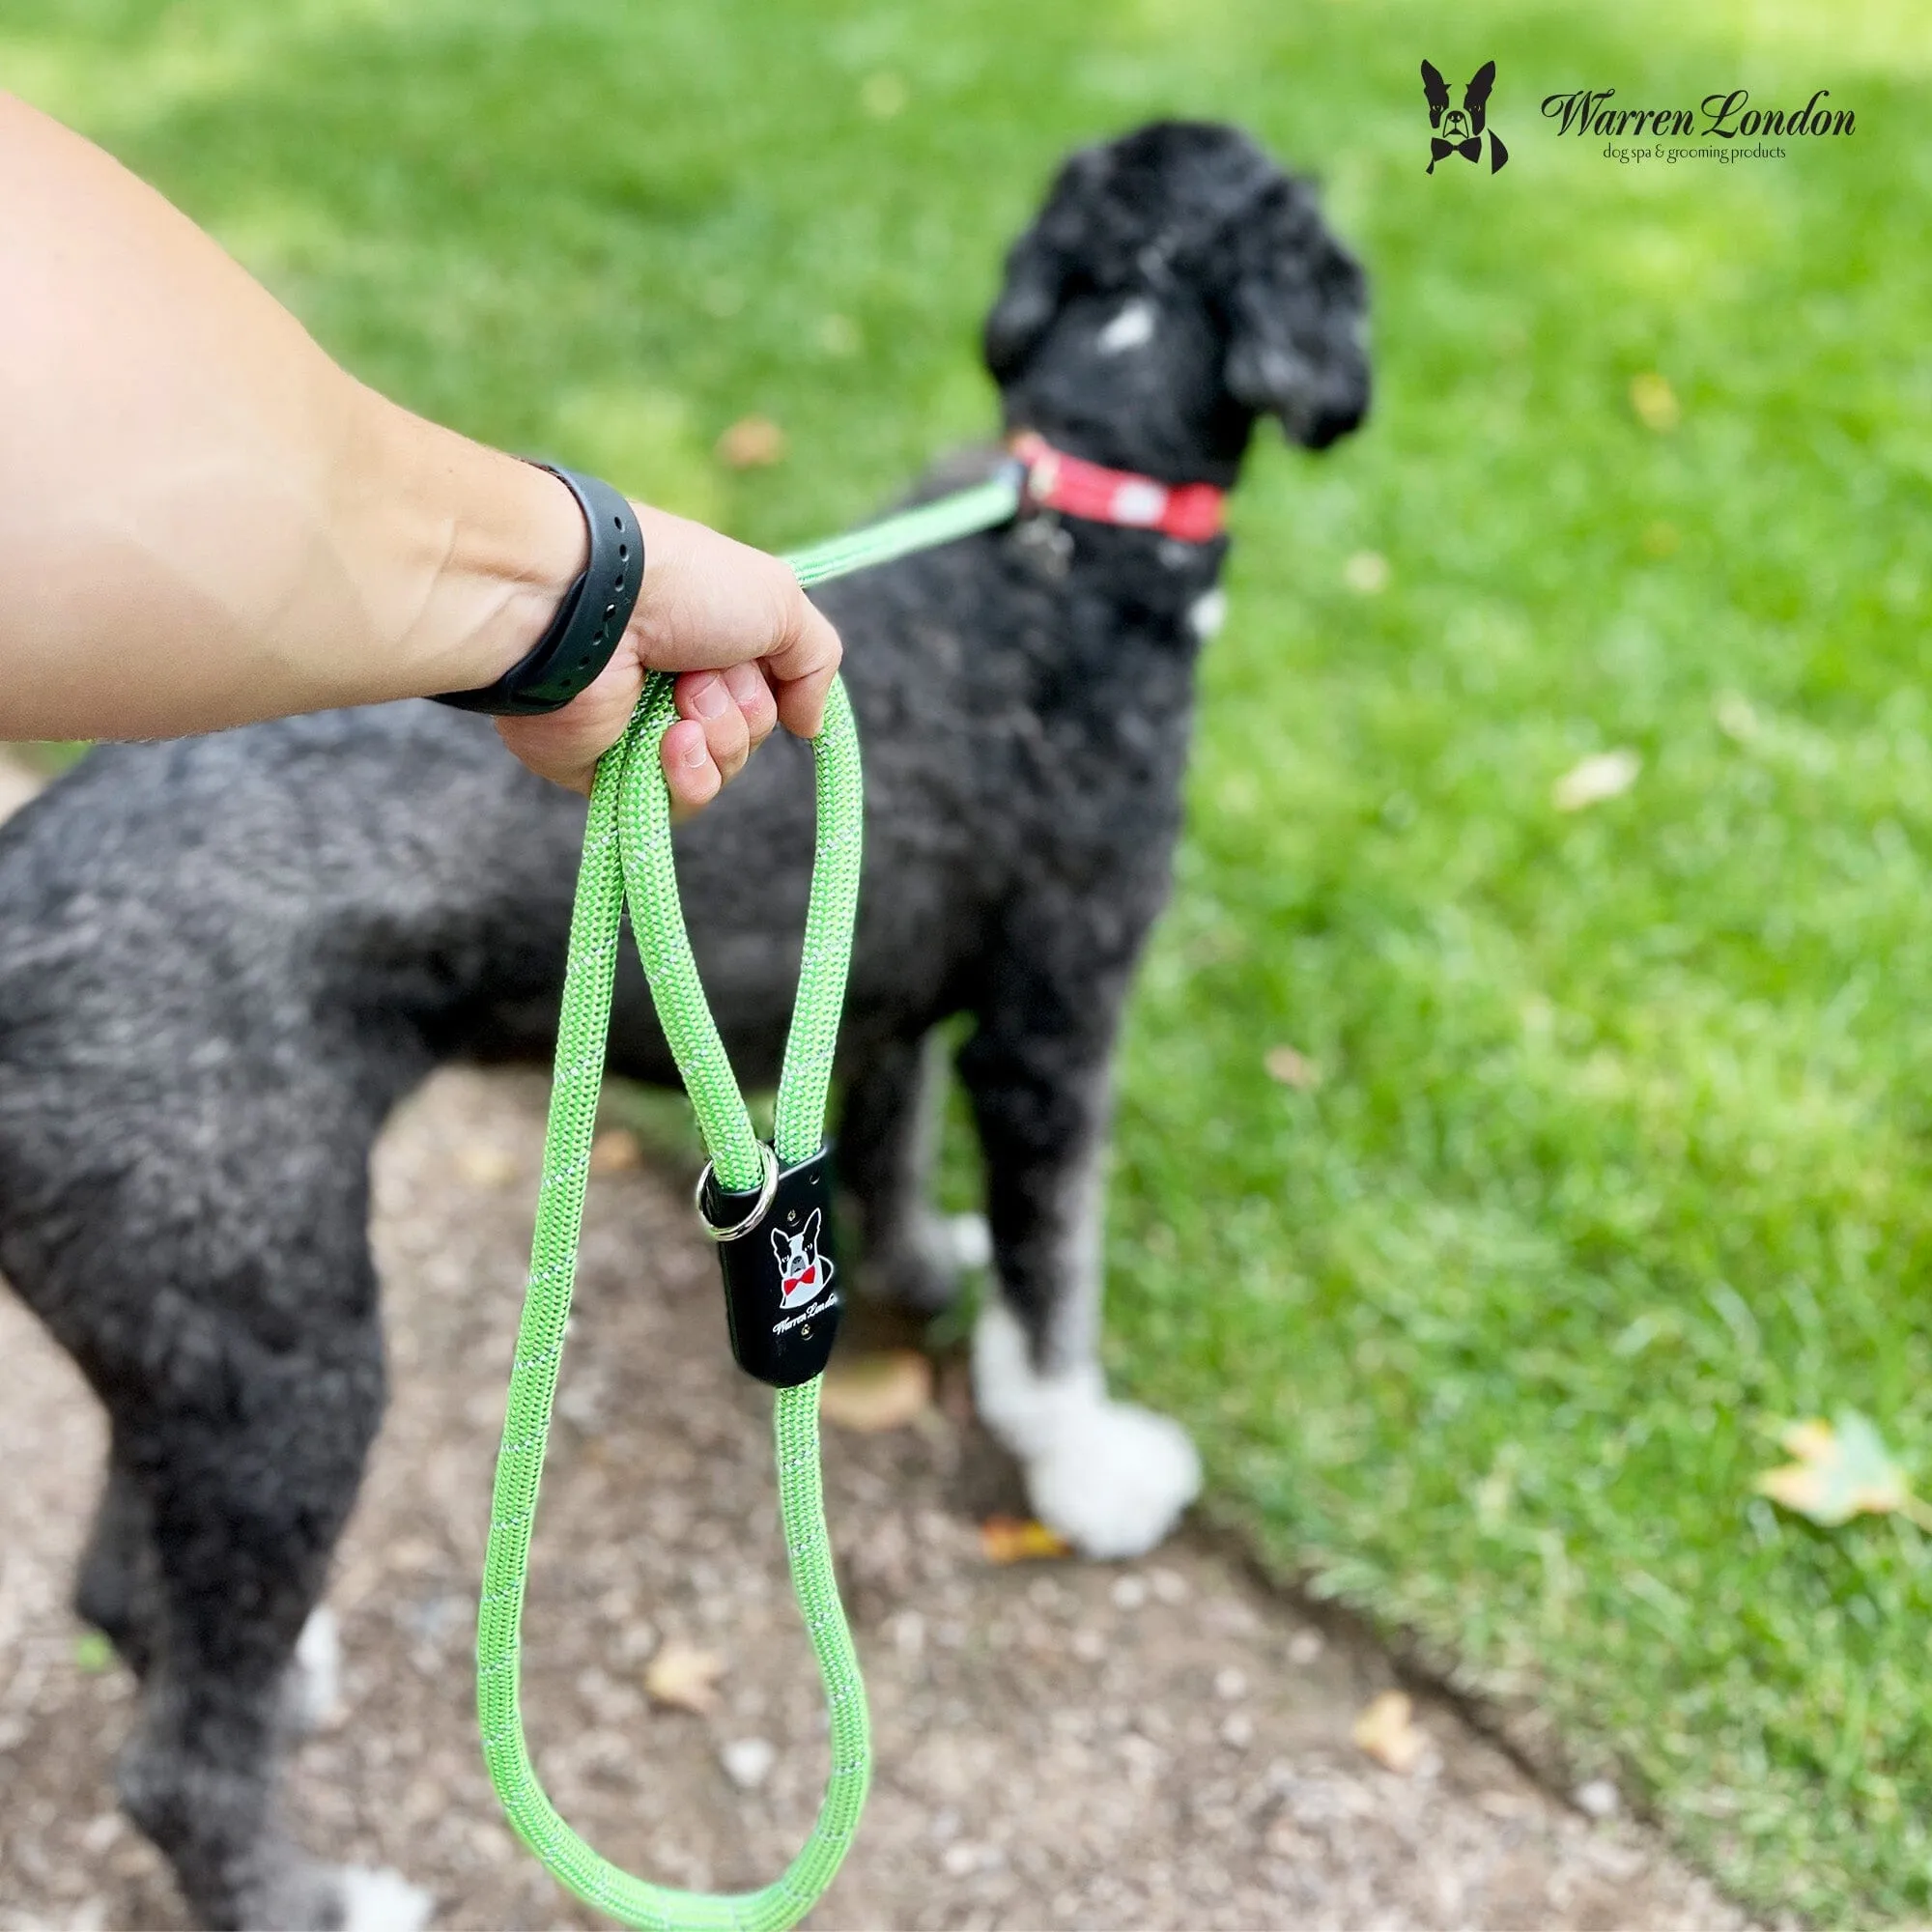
(589, 621)
(782, 1298)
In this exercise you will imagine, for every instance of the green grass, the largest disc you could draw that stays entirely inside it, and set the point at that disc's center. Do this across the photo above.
(1621, 1154)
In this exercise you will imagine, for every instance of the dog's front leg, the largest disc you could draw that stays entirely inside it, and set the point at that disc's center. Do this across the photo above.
(1111, 1478)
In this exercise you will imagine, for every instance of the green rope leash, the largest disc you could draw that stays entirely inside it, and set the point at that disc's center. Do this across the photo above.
(627, 852)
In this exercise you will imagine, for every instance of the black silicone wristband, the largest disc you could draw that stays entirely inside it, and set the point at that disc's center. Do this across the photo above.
(588, 622)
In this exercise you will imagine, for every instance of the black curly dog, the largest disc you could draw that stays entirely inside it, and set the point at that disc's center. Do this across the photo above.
(222, 962)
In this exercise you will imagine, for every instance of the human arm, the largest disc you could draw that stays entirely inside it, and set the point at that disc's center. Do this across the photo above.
(203, 520)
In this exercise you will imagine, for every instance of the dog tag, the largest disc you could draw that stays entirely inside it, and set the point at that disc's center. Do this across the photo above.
(781, 1301)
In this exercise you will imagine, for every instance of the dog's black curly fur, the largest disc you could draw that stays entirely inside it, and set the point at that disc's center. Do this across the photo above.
(222, 961)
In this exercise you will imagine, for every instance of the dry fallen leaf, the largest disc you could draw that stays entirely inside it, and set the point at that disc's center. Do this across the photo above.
(751, 442)
(1655, 402)
(1840, 1471)
(869, 1394)
(1606, 775)
(1011, 1539)
(485, 1165)
(684, 1677)
(615, 1151)
(1388, 1731)
(1291, 1067)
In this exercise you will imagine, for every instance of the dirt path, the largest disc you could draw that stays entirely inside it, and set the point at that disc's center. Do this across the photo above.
(1149, 1745)
(1153, 1745)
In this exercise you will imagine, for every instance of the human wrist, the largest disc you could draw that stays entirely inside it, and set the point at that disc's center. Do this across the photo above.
(591, 621)
(484, 549)
(516, 557)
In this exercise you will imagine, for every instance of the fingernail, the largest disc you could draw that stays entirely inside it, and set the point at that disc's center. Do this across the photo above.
(695, 753)
(711, 700)
(744, 683)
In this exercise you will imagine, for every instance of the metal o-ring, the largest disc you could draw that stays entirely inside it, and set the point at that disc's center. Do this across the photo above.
(767, 1188)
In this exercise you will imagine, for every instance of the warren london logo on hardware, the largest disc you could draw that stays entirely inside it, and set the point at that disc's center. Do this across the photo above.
(1718, 126)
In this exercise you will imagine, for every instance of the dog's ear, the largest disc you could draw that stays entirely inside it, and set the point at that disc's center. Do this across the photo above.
(809, 1234)
(1037, 276)
(779, 1246)
(1436, 91)
(1476, 95)
(1294, 300)
(1043, 265)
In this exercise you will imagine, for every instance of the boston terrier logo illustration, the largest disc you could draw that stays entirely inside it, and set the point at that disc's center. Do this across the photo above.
(803, 1270)
(1459, 130)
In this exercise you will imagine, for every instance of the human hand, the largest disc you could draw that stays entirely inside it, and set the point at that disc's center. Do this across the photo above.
(751, 649)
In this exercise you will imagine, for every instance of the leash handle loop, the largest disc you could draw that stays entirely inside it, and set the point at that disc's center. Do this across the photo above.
(627, 840)
(627, 849)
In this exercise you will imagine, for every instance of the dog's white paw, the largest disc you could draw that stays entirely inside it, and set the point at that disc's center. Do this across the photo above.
(312, 1690)
(1116, 1483)
(1111, 1478)
(381, 1900)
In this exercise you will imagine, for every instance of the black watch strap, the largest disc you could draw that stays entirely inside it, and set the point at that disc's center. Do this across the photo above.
(588, 622)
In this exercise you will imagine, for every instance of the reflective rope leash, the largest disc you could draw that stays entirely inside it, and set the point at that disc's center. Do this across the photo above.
(781, 1302)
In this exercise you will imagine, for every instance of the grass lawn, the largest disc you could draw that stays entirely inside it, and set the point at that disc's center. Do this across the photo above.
(1618, 1156)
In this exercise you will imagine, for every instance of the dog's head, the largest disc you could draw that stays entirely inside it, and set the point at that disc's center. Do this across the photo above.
(1458, 124)
(1177, 284)
(798, 1262)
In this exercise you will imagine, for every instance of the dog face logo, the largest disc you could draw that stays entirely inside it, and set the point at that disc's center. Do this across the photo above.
(802, 1269)
(1459, 130)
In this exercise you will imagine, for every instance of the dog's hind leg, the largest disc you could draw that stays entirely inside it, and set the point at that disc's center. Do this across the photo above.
(116, 1589)
(214, 1281)
(246, 1499)
(888, 1135)
(1112, 1478)
(118, 1592)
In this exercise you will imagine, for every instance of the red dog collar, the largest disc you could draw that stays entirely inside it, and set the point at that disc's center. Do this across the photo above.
(1057, 481)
